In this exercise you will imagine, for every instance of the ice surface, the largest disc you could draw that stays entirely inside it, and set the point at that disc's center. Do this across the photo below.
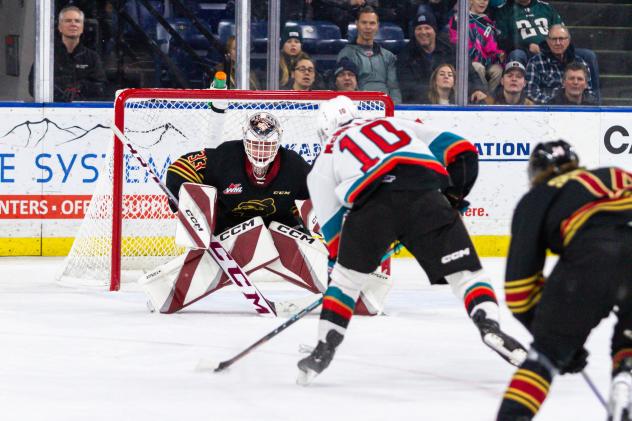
(68, 354)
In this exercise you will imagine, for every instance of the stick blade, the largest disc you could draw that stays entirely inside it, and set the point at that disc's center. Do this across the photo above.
(222, 366)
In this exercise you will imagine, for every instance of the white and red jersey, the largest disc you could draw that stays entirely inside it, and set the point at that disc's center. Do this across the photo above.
(362, 152)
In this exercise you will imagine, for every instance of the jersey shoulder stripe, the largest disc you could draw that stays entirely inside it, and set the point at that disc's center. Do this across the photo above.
(184, 169)
(447, 146)
(401, 158)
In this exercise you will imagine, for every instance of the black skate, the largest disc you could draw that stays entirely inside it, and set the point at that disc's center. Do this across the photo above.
(314, 364)
(507, 347)
(620, 404)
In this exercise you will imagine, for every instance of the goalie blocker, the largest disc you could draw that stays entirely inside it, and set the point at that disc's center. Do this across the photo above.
(278, 251)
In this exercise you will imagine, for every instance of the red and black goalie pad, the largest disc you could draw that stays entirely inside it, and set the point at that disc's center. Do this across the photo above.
(302, 258)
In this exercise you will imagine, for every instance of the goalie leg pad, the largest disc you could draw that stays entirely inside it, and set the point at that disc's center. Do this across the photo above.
(197, 208)
(302, 258)
(195, 274)
(373, 295)
(250, 244)
(182, 281)
(476, 290)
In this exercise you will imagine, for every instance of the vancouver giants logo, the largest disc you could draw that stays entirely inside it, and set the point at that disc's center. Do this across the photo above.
(233, 189)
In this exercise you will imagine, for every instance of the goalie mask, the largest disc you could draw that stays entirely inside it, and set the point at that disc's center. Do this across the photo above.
(262, 139)
(551, 158)
(333, 114)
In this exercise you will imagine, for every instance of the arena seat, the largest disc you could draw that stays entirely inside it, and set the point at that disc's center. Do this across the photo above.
(319, 37)
(258, 34)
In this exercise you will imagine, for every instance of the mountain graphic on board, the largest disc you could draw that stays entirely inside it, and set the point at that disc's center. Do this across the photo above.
(32, 133)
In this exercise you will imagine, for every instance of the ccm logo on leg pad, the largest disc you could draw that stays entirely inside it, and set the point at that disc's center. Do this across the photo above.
(456, 255)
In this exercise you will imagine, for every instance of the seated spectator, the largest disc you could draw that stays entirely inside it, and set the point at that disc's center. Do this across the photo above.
(524, 24)
(303, 75)
(574, 87)
(546, 70)
(231, 50)
(78, 73)
(442, 82)
(484, 52)
(442, 10)
(511, 90)
(376, 65)
(346, 76)
(291, 52)
(423, 54)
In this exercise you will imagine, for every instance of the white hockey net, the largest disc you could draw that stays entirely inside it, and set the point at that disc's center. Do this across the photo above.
(162, 125)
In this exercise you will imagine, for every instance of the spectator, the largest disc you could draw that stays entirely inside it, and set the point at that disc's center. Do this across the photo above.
(574, 87)
(79, 74)
(231, 50)
(303, 75)
(511, 90)
(522, 25)
(346, 76)
(424, 53)
(483, 50)
(376, 65)
(546, 70)
(291, 52)
(442, 10)
(340, 12)
(442, 83)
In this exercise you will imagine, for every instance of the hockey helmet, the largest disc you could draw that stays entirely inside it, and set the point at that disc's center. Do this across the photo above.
(549, 158)
(262, 139)
(335, 113)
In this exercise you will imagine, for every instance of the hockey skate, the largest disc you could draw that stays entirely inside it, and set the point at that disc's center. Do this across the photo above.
(314, 364)
(620, 404)
(504, 345)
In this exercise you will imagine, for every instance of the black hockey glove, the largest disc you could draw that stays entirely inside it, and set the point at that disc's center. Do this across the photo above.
(577, 363)
(456, 200)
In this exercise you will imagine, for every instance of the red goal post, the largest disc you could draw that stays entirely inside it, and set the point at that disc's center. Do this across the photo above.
(128, 227)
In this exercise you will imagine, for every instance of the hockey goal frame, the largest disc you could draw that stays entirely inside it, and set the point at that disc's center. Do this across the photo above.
(197, 94)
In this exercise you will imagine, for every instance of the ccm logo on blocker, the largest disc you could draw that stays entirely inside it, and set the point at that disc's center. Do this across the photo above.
(456, 255)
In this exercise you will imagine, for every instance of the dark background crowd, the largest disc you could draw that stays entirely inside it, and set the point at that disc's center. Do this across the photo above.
(521, 52)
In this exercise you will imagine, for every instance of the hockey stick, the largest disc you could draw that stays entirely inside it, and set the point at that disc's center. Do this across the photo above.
(594, 389)
(221, 256)
(289, 322)
(204, 365)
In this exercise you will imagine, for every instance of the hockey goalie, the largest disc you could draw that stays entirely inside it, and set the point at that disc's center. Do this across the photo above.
(252, 195)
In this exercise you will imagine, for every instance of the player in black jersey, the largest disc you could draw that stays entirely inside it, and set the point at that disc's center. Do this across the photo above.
(253, 176)
(247, 188)
(584, 216)
(256, 185)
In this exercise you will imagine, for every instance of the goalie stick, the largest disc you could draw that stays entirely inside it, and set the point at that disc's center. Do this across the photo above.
(223, 258)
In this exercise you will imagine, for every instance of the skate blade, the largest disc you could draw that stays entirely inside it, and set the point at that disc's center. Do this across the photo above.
(305, 377)
(495, 342)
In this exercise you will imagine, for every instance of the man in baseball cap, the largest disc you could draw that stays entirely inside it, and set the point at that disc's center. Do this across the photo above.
(346, 75)
(512, 84)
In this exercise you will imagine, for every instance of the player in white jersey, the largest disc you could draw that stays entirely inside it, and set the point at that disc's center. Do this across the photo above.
(386, 179)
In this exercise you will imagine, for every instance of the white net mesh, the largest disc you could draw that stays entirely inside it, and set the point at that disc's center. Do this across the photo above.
(162, 130)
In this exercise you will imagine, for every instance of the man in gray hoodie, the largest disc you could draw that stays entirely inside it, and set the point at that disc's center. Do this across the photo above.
(376, 65)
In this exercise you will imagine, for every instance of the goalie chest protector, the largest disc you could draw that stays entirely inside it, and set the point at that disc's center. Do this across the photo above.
(239, 199)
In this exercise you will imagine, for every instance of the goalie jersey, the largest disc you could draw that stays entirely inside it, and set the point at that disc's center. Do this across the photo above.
(361, 155)
(239, 197)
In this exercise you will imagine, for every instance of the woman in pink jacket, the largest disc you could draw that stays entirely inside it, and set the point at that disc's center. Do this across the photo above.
(484, 52)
